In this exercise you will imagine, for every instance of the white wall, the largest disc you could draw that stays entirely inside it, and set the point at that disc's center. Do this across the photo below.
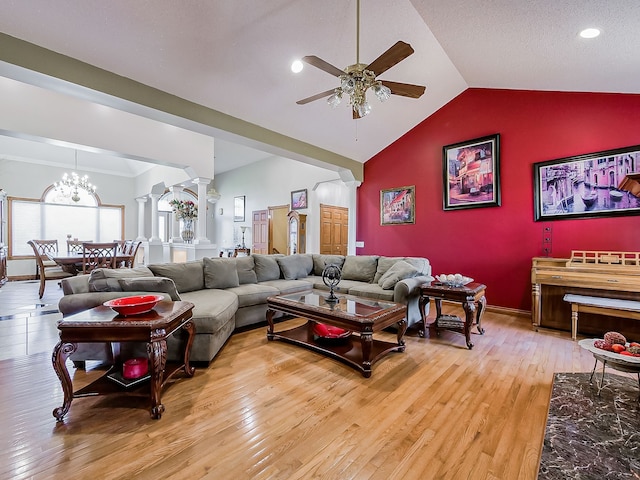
(270, 183)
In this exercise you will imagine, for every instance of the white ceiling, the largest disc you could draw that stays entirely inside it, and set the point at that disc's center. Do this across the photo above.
(234, 55)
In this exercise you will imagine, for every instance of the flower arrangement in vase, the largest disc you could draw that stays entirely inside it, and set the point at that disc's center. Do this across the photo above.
(187, 211)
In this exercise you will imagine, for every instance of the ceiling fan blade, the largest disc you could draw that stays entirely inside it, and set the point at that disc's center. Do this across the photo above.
(318, 96)
(404, 89)
(392, 56)
(322, 65)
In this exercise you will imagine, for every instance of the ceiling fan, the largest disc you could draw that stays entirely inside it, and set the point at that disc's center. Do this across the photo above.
(356, 79)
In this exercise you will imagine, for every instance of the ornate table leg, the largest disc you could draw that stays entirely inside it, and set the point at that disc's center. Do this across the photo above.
(366, 340)
(59, 358)
(191, 329)
(402, 328)
(422, 303)
(158, 359)
(469, 307)
(270, 314)
(438, 314)
(482, 304)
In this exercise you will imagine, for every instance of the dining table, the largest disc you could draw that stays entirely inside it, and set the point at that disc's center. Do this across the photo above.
(72, 262)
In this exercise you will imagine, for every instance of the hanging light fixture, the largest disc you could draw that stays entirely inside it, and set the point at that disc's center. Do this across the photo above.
(70, 185)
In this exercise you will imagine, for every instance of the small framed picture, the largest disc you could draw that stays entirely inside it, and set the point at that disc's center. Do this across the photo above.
(238, 209)
(299, 199)
(397, 206)
(471, 173)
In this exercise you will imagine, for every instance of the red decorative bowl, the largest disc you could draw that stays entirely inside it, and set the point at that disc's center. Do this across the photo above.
(322, 330)
(135, 368)
(133, 305)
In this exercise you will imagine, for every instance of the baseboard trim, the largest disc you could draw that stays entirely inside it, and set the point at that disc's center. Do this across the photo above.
(20, 278)
(498, 309)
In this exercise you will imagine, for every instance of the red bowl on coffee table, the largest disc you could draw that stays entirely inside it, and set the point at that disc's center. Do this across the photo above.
(134, 305)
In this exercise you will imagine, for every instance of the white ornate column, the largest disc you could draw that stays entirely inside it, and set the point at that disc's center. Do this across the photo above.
(176, 190)
(202, 183)
(141, 201)
(155, 238)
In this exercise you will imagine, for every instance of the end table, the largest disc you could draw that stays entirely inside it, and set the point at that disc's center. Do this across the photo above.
(472, 298)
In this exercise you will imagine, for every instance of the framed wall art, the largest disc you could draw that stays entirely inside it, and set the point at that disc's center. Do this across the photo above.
(471, 173)
(238, 209)
(299, 199)
(585, 186)
(397, 205)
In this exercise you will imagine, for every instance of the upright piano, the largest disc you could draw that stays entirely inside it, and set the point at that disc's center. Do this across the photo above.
(594, 273)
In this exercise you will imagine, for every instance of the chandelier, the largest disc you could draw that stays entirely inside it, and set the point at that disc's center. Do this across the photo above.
(70, 185)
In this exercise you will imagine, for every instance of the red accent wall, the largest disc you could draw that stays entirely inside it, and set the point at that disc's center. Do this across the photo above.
(495, 245)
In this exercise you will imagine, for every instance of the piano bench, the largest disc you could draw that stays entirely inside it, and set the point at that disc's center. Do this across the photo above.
(613, 307)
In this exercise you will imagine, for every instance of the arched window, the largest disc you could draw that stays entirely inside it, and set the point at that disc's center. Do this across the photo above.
(58, 217)
(165, 212)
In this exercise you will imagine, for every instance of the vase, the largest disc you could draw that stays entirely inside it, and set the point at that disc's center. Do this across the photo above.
(187, 233)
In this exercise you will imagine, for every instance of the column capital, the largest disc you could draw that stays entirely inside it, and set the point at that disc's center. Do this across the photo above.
(201, 180)
(141, 199)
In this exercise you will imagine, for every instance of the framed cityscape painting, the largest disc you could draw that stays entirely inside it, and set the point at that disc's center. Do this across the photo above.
(397, 205)
(593, 185)
(471, 173)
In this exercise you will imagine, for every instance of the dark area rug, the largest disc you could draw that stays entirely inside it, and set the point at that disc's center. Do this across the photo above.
(590, 436)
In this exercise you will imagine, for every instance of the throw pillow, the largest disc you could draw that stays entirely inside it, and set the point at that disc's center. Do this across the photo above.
(360, 267)
(220, 273)
(246, 270)
(321, 261)
(106, 279)
(188, 276)
(384, 264)
(295, 266)
(266, 267)
(399, 271)
(150, 284)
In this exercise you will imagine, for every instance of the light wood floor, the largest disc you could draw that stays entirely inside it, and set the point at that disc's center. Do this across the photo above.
(270, 410)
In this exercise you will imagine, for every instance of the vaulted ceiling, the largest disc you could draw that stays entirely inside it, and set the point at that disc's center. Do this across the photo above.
(234, 56)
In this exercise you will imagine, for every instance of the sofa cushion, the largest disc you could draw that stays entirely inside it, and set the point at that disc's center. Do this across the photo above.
(246, 270)
(321, 261)
(266, 267)
(384, 264)
(220, 273)
(253, 294)
(295, 266)
(212, 308)
(398, 271)
(372, 290)
(150, 284)
(291, 286)
(422, 264)
(360, 267)
(188, 276)
(106, 279)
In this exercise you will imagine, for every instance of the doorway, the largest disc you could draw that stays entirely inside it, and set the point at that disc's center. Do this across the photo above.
(334, 229)
(270, 229)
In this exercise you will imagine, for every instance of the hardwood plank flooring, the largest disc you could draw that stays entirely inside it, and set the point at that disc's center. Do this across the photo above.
(270, 410)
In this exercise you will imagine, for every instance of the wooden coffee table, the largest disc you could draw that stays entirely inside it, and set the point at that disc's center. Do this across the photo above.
(362, 316)
(102, 324)
(473, 301)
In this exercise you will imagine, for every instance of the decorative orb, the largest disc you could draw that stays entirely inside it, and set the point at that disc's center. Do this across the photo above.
(331, 276)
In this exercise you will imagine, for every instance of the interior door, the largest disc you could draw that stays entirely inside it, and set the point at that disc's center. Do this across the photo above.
(278, 229)
(334, 229)
(260, 229)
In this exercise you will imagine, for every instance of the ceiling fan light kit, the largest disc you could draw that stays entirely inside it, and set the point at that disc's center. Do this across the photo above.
(356, 79)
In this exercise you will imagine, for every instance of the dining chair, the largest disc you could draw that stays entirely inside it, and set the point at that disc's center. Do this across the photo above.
(46, 269)
(75, 246)
(131, 252)
(99, 255)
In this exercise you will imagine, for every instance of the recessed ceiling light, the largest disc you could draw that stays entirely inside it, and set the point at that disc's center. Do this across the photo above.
(296, 66)
(590, 33)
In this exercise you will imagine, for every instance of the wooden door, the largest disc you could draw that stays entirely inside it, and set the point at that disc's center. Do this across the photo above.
(334, 229)
(260, 229)
(278, 229)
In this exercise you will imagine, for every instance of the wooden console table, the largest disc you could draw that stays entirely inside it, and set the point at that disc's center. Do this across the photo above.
(102, 324)
(473, 301)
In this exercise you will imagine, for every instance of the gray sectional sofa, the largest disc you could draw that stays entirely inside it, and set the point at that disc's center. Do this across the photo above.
(230, 293)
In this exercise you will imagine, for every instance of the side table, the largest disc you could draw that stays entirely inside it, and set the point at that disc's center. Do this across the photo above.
(102, 324)
(473, 301)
